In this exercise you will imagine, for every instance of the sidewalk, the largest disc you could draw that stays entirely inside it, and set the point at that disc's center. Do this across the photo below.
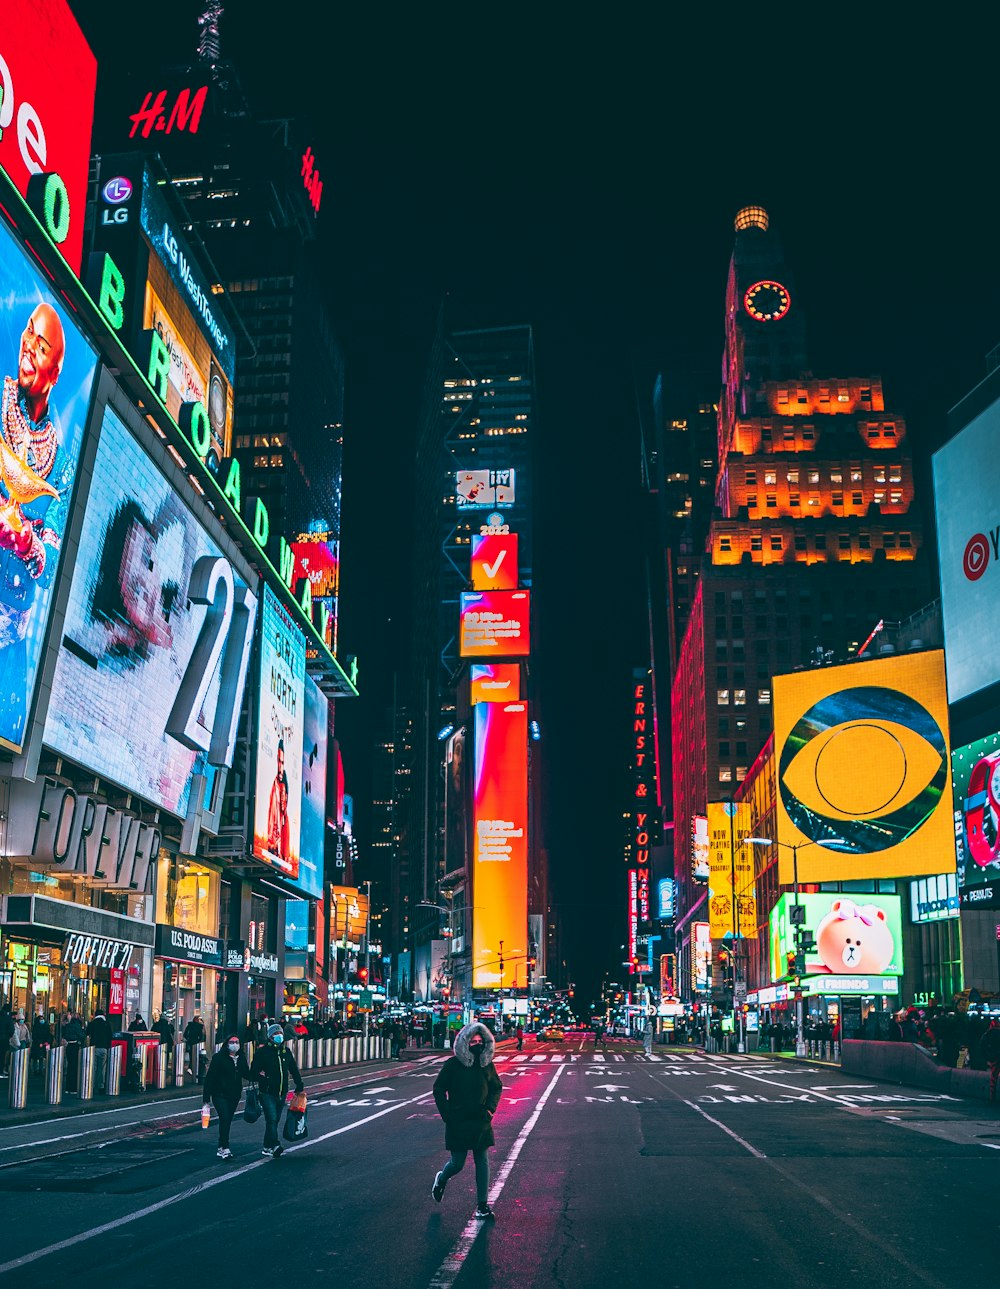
(39, 1111)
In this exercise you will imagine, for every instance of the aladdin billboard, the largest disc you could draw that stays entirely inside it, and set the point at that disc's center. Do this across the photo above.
(156, 643)
(500, 846)
(47, 370)
(893, 819)
(48, 79)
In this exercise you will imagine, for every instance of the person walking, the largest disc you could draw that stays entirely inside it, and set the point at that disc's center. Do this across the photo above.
(273, 1070)
(73, 1036)
(41, 1041)
(467, 1093)
(99, 1034)
(519, 1031)
(647, 1037)
(224, 1087)
(989, 1045)
(194, 1034)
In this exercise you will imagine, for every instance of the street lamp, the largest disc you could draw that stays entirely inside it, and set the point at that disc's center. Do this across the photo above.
(795, 847)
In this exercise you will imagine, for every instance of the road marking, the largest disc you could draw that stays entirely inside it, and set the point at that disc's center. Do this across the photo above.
(448, 1271)
(27, 1258)
(759, 1154)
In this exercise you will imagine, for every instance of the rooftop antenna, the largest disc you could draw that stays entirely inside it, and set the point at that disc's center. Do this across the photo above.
(209, 43)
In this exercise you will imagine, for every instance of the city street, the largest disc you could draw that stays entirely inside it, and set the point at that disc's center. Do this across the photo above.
(686, 1168)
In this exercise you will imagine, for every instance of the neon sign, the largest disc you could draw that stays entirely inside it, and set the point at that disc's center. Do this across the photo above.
(185, 114)
(311, 181)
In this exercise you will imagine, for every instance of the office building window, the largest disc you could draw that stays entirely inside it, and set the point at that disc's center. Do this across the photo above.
(763, 697)
(722, 697)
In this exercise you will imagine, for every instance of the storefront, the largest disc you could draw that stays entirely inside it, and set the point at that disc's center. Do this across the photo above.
(187, 977)
(60, 957)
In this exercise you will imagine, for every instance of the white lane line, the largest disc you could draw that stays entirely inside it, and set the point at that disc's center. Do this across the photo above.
(759, 1154)
(453, 1263)
(27, 1258)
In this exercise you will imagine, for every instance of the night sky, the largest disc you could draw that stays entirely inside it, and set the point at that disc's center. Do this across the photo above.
(581, 173)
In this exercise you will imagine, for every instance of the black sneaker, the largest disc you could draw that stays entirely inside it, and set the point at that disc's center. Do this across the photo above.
(481, 1214)
(278, 1151)
(437, 1190)
(267, 1152)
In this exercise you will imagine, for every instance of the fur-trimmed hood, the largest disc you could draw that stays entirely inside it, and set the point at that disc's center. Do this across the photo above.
(462, 1038)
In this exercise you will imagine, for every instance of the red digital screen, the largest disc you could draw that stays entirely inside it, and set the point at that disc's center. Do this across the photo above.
(500, 847)
(495, 682)
(48, 77)
(319, 561)
(494, 562)
(495, 624)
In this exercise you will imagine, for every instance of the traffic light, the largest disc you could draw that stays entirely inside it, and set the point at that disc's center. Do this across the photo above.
(363, 977)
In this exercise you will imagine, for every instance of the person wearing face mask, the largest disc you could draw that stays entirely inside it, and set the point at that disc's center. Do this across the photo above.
(224, 1087)
(274, 1070)
(467, 1093)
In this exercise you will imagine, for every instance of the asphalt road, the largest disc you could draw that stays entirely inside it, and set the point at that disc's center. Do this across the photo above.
(681, 1170)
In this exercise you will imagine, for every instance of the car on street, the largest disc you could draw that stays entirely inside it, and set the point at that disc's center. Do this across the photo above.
(551, 1034)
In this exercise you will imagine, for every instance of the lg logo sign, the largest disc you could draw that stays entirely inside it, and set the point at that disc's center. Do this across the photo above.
(115, 192)
(977, 553)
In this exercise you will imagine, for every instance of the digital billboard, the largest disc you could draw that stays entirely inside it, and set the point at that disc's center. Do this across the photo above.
(48, 78)
(699, 848)
(495, 682)
(277, 823)
(314, 756)
(500, 846)
(494, 562)
(863, 770)
(975, 772)
(317, 560)
(156, 643)
(456, 795)
(968, 532)
(730, 860)
(495, 624)
(484, 489)
(47, 369)
(701, 957)
(855, 935)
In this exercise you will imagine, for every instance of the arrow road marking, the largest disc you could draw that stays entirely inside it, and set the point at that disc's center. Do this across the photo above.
(610, 1087)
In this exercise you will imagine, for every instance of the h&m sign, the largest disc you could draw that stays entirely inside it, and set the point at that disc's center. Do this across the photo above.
(56, 827)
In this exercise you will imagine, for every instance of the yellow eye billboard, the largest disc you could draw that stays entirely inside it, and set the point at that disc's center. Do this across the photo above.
(864, 777)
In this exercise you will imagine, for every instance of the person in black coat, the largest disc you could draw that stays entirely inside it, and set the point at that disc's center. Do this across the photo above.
(224, 1087)
(274, 1070)
(467, 1093)
(99, 1033)
(194, 1036)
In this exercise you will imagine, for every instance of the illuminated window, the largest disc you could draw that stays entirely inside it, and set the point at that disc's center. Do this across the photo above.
(725, 544)
(895, 497)
(895, 474)
(857, 499)
(843, 396)
(814, 476)
(725, 774)
(836, 476)
(763, 697)
(879, 498)
(782, 395)
(739, 698)
(741, 773)
(793, 499)
(770, 476)
(856, 475)
(814, 499)
(880, 475)
(722, 697)
(792, 476)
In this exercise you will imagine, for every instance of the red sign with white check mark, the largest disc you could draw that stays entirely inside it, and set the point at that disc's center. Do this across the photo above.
(494, 562)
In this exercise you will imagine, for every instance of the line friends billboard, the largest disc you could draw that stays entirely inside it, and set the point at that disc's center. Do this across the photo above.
(863, 770)
(500, 846)
(280, 733)
(855, 935)
(495, 624)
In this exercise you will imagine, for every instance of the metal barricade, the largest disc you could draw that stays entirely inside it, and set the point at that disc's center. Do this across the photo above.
(114, 1085)
(55, 1068)
(87, 1073)
(312, 1045)
(303, 1055)
(161, 1055)
(179, 1065)
(17, 1097)
(146, 1051)
(327, 1051)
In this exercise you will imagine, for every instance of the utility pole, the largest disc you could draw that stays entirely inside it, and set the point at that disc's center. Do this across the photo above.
(368, 941)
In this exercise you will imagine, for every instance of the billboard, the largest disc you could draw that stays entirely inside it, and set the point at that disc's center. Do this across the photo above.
(893, 819)
(699, 848)
(317, 560)
(280, 728)
(976, 801)
(48, 78)
(456, 796)
(314, 755)
(47, 373)
(857, 935)
(968, 528)
(701, 957)
(484, 489)
(495, 624)
(149, 680)
(500, 846)
(495, 682)
(729, 861)
(494, 562)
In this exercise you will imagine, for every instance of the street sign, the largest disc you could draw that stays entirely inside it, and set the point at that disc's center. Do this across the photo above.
(740, 991)
(365, 1001)
(797, 914)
